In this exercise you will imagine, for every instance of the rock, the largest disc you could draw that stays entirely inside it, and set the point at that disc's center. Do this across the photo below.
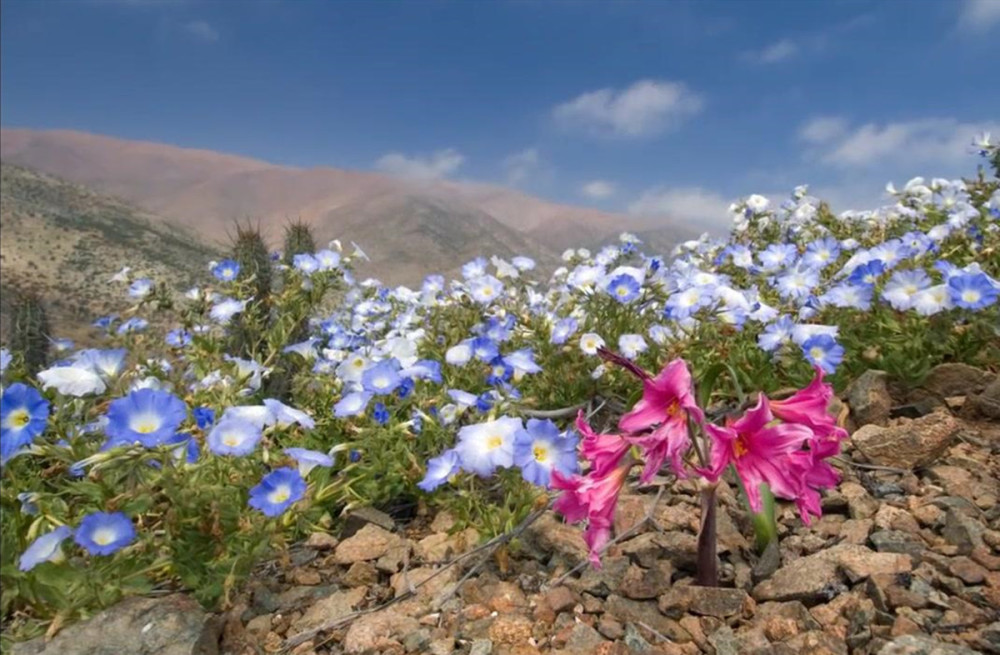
(610, 628)
(911, 444)
(859, 562)
(988, 402)
(706, 601)
(443, 646)
(634, 640)
(769, 562)
(417, 641)
(171, 625)
(550, 535)
(259, 626)
(643, 584)
(511, 630)
(869, 399)
(506, 597)
(360, 574)
(602, 581)
(369, 543)
(860, 504)
(968, 571)
(560, 598)
(583, 638)
(363, 516)
(956, 379)
(335, 606)
(921, 645)
(632, 611)
(810, 579)
(394, 557)
(321, 541)
(817, 643)
(307, 577)
(400, 582)
(374, 631)
(962, 532)
(481, 647)
(724, 641)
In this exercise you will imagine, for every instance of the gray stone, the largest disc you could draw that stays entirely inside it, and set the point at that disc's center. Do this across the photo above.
(633, 611)
(724, 641)
(481, 647)
(810, 579)
(634, 640)
(961, 531)
(333, 607)
(988, 402)
(897, 541)
(583, 639)
(363, 516)
(911, 444)
(370, 543)
(172, 625)
(922, 645)
(956, 379)
(706, 601)
(869, 399)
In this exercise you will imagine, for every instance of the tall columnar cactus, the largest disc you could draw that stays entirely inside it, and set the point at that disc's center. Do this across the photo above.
(298, 240)
(29, 333)
(250, 251)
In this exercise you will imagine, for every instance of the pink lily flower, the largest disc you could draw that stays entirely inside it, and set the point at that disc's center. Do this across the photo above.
(761, 453)
(667, 402)
(603, 451)
(592, 497)
(809, 407)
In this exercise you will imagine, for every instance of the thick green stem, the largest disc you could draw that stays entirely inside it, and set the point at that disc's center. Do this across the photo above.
(708, 559)
(765, 525)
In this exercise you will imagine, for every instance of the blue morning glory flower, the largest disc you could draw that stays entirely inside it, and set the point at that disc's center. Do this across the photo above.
(277, 491)
(439, 469)
(224, 310)
(305, 263)
(353, 404)
(134, 324)
(405, 388)
(499, 372)
(140, 288)
(972, 290)
(867, 273)
(46, 548)
(354, 456)
(147, 416)
(563, 330)
(309, 459)
(102, 533)
(624, 288)
(234, 436)
(380, 414)
(823, 350)
(541, 448)
(105, 322)
(178, 338)
(484, 349)
(204, 416)
(24, 413)
(5, 359)
(382, 378)
(226, 270)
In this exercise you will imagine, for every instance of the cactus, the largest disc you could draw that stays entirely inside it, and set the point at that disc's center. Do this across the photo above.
(298, 240)
(29, 334)
(250, 251)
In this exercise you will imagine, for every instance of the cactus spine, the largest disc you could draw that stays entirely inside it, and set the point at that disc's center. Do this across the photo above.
(29, 334)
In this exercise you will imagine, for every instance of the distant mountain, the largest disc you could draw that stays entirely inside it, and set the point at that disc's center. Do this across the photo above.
(64, 242)
(408, 228)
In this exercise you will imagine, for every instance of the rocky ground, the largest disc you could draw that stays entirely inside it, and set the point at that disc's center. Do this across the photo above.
(906, 560)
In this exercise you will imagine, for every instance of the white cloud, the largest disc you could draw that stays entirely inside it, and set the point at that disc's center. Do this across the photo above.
(778, 51)
(598, 189)
(979, 15)
(439, 164)
(683, 204)
(930, 141)
(201, 30)
(823, 129)
(520, 165)
(647, 107)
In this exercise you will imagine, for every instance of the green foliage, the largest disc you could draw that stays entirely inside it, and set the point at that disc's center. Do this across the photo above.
(249, 250)
(298, 240)
(30, 332)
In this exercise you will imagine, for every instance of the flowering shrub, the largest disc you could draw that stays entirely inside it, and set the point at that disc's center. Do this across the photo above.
(211, 428)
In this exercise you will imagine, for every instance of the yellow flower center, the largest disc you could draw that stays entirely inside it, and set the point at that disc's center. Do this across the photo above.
(622, 291)
(970, 296)
(19, 418)
(103, 537)
(494, 442)
(816, 352)
(231, 440)
(280, 495)
(740, 447)
(541, 453)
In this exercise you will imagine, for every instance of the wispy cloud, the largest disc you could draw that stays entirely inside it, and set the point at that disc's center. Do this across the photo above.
(598, 189)
(930, 141)
(684, 204)
(201, 31)
(823, 129)
(520, 165)
(436, 166)
(979, 15)
(772, 54)
(646, 108)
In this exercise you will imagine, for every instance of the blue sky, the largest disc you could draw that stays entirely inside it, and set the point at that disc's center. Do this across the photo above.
(646, 107)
